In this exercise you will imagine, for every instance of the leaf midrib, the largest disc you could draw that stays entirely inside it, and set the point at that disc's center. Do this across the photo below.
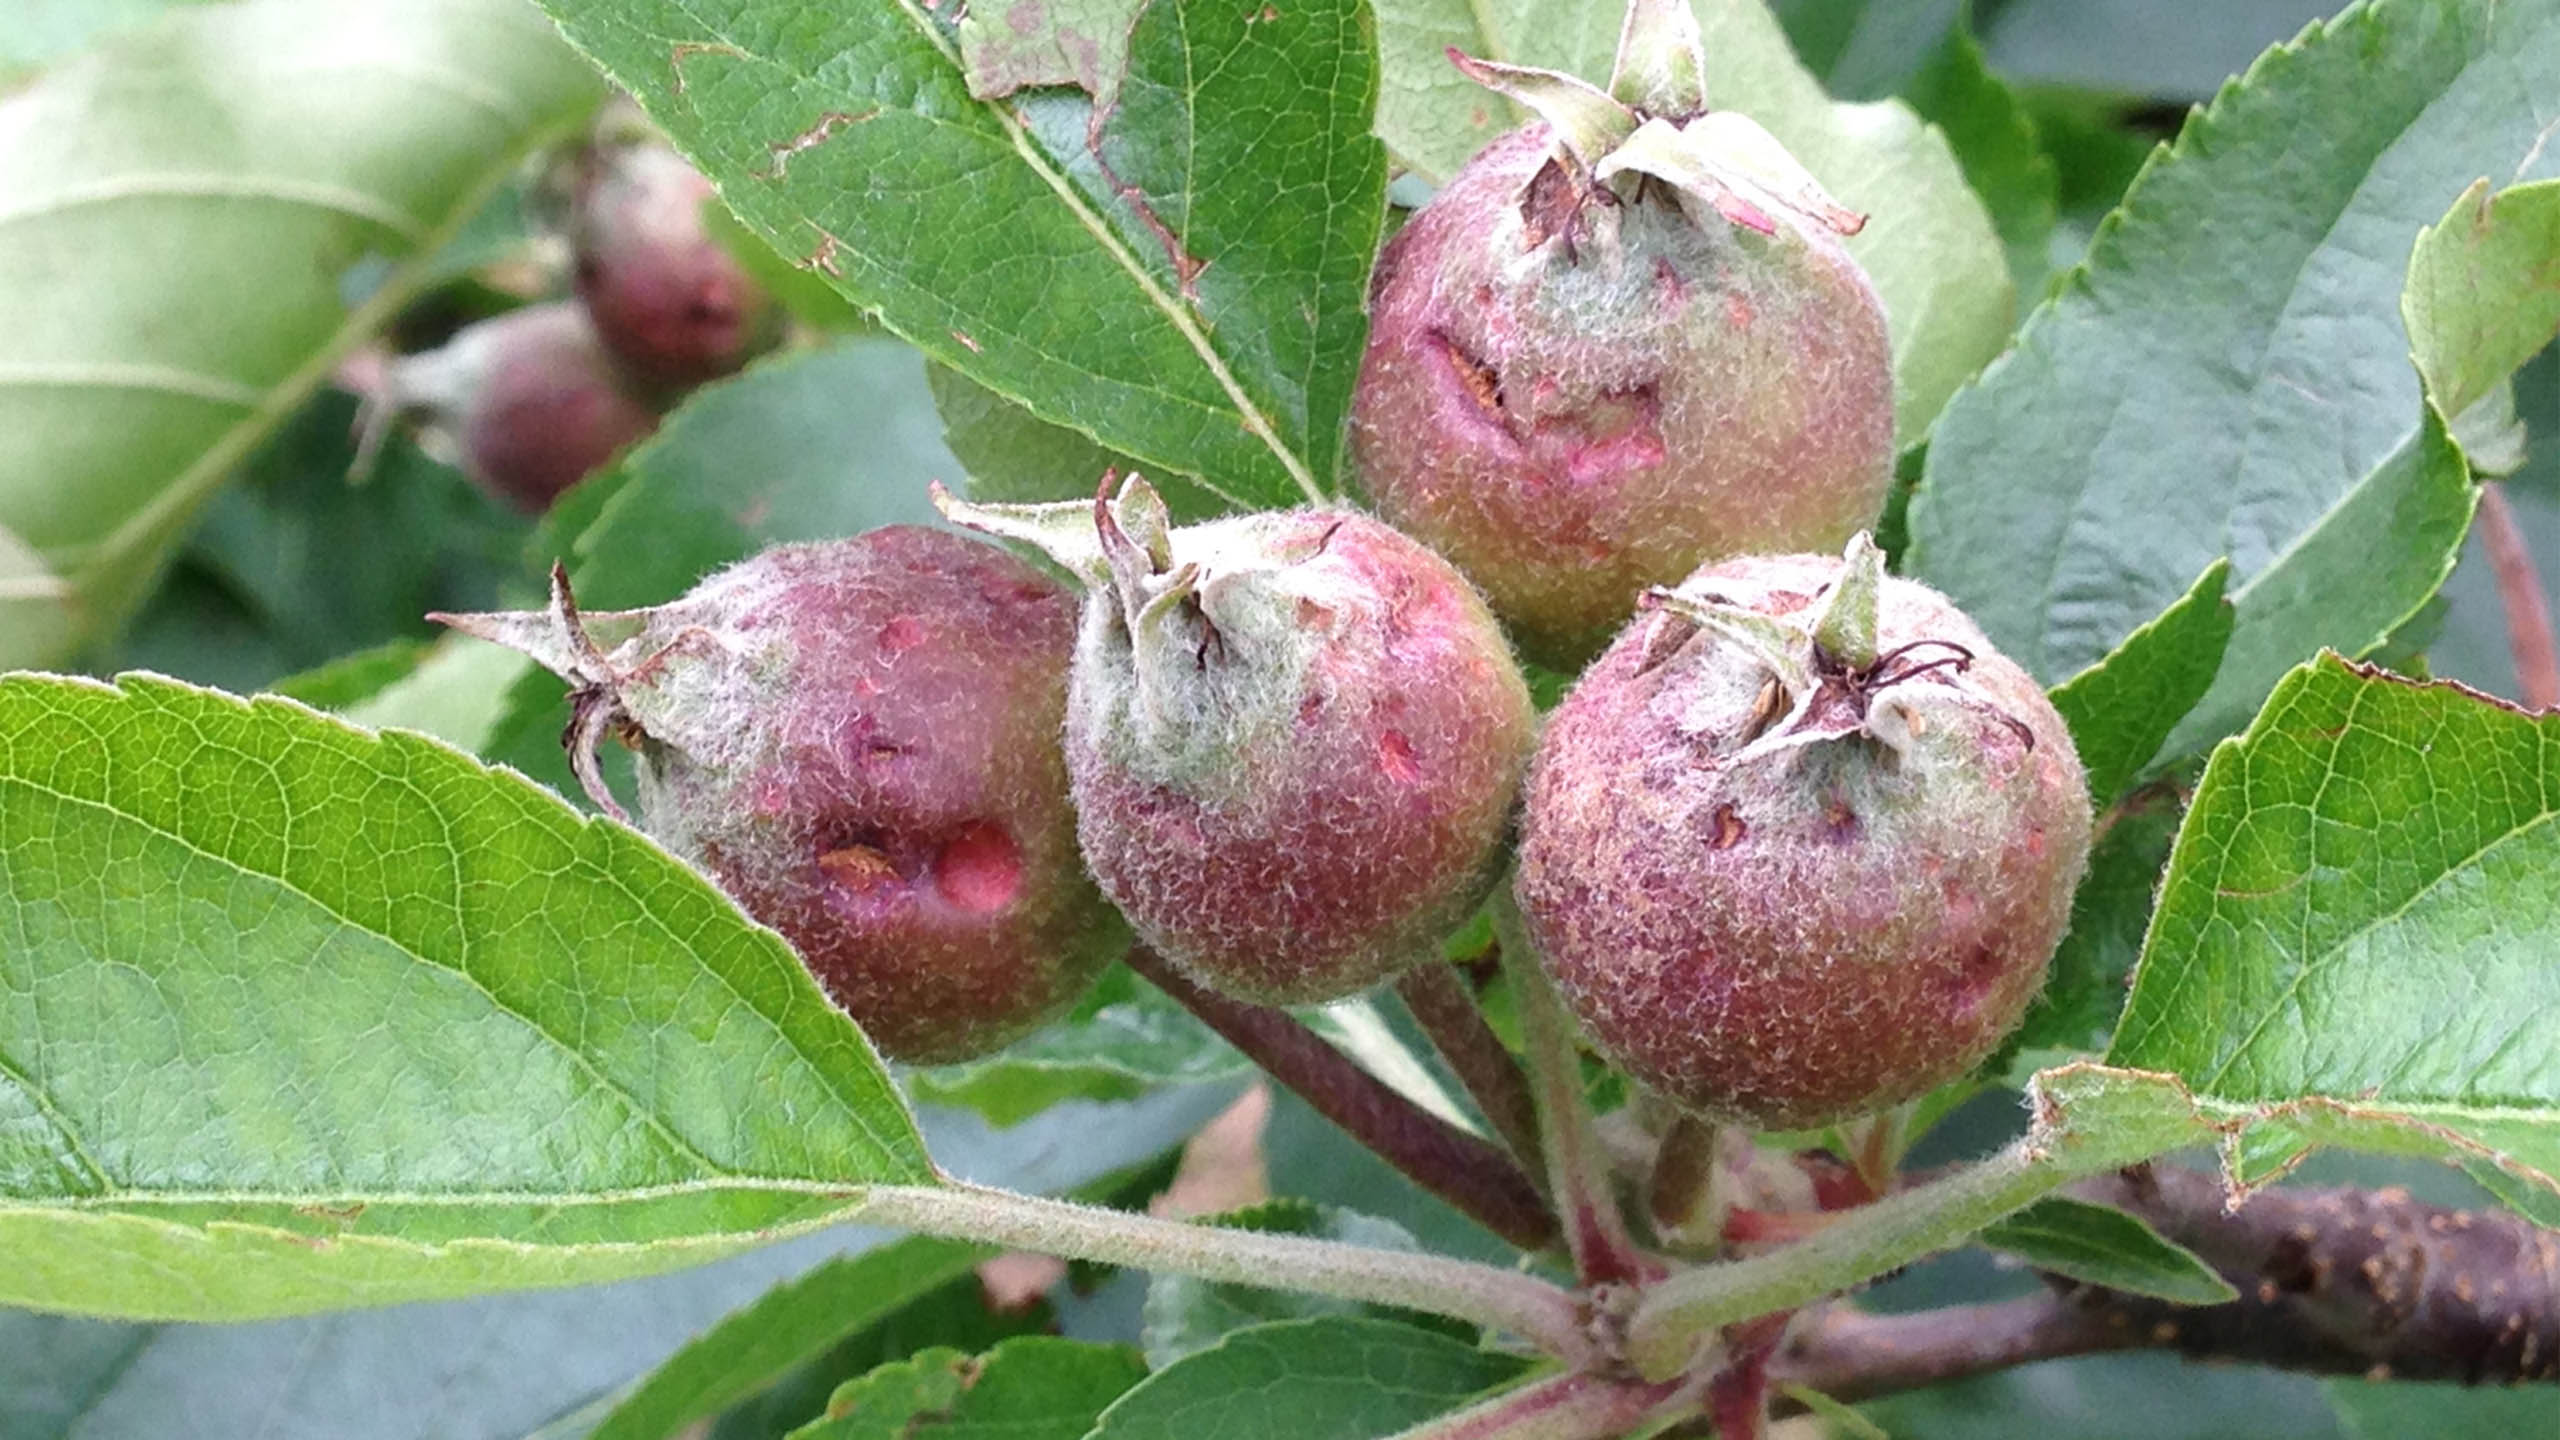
(1092, 223)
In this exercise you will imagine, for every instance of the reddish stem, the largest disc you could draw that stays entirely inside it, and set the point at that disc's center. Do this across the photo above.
(1446, 1011)
(1579, 1173)
(1470, 1173)
(2529, 635)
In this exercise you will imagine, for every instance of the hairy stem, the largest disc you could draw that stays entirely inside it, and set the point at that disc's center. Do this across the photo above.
(1497, 1299)
(1680, 1312)
(1572, 1406)
(2520, 593)
(1446, 1011)
(1579, 1174)
(1470, 1173)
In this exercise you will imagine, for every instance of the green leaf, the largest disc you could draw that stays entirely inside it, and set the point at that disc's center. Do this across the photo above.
(2085, 990)
(1015, 457)
(2483, 294)
(1179, 274)
(292, 566)
(789, 1325)
(1841, 1420)
(2151, 49)
(1009, 45)
(2355, 579)
(189, 210)
(2222, 377)
(327, 566)
(42, 31)
(2352, 944)
(803, 294)
(809, 445)
(1995, 141)
(2121, 708)
(1185, 1315)
(458, 694)
(360, 1021)
(1928, 244)
(1035, 1388)
(2392, 1410)
(459, 1367)
(2100, 1245)
(1331, 1378)
(1124, 1039)
(350, 678)
(1309, 1154)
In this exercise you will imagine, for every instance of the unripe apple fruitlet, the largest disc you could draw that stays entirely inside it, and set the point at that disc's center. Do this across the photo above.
(670, 301)
(1799, 846)
(1295, 738)
(1621, 342)
(858, 741)
(527, 403)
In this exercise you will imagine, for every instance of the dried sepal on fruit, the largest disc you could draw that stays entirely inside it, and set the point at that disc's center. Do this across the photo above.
(1801, 843)
(858, 740)
(1623, 341)
(1295, 737)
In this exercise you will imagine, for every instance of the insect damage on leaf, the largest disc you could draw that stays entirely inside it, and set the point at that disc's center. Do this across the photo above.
(1009, 45)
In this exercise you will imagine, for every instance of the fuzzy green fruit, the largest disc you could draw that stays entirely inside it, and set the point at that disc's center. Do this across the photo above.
(1800, 845)
(1295, 738)
(858, 741)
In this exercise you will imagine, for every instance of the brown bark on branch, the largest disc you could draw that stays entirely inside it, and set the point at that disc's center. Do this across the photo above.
(1473, 1174)
(2422, 1291)
(2340, 1282)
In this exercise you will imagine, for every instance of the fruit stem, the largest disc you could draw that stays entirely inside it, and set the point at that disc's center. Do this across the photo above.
(1578, 1170)
(1468, 1171)
(1498, 1299)
(2520, 594)
(1676, 1315)
(1572, 1406)
(1447, 1013)
(1681, 1191)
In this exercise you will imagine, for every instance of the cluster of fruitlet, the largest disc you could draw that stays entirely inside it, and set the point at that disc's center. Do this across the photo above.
(1796, 847)
(531, 401)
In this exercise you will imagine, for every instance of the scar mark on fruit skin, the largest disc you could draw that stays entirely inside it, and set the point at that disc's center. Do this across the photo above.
(811, 138)
(1729, 829)
(690, 48)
